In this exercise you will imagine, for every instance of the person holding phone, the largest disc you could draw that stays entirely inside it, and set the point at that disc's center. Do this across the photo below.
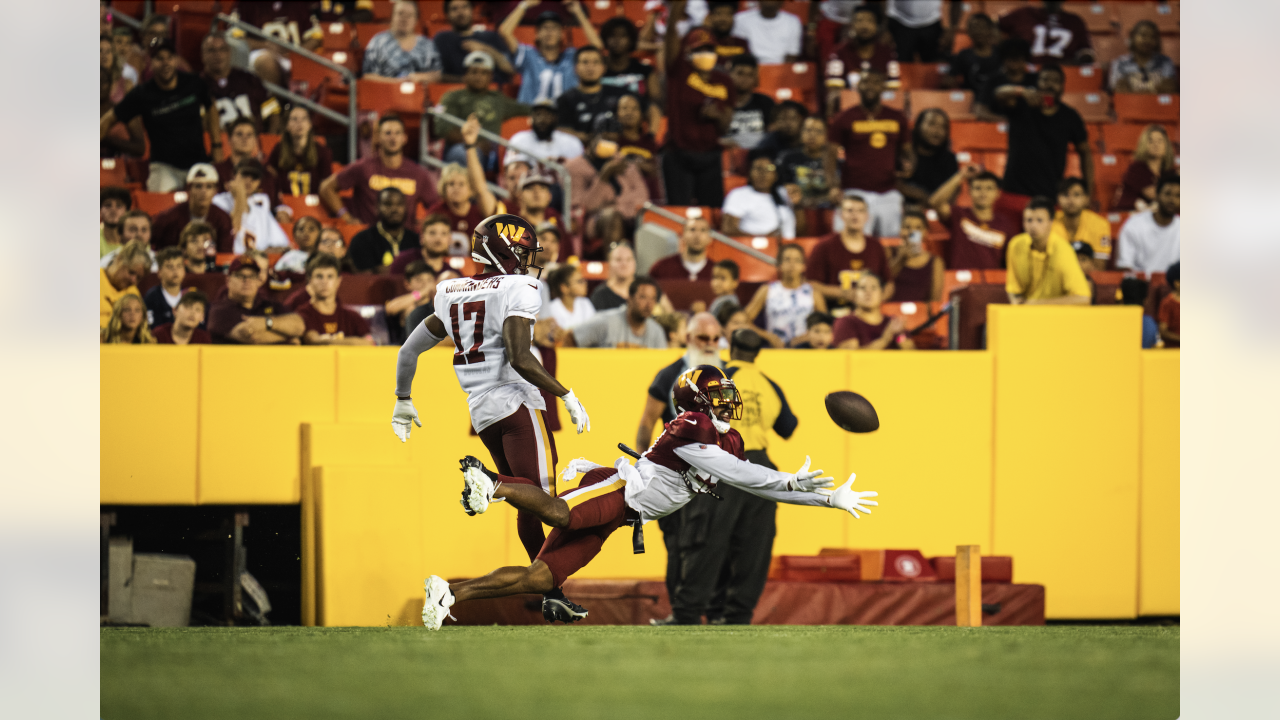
(917, 273)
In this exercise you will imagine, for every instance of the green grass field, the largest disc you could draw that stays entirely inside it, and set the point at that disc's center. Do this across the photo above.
(640, 672)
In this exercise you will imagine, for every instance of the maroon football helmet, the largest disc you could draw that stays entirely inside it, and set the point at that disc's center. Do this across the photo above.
(507, 243)
(706, 389)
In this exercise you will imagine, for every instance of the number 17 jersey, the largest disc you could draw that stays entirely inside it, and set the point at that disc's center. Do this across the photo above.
(473, 311)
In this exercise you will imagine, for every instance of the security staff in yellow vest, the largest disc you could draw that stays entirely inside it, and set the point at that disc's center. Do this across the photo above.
(729, 543)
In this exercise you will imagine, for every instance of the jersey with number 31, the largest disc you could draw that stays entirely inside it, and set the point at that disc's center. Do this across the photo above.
(473, 311)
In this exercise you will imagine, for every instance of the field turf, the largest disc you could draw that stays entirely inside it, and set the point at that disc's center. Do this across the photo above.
(640, 672)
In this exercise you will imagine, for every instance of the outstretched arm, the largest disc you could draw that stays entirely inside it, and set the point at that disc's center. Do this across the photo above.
(796, 488)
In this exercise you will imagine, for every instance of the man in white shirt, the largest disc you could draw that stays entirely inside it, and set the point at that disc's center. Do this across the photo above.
(773, 35)
(1149, 240)
(252, 223)
(543, 141)
(757, 208)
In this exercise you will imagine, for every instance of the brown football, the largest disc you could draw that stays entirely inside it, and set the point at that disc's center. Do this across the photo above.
(852, 412)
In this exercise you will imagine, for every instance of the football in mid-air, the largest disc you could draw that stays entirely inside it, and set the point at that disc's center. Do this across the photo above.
(852, 412)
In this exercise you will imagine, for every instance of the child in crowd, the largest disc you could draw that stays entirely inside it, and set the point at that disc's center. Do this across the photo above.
(818, 335)
(789, 300)
(733, 318)
(676, 325)
(724, 283)
(1170, 314)
(128, 323)
(569, 304)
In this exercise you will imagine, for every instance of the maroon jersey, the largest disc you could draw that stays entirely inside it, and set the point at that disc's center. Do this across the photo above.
(298, 178)
(846, 62)
(164, 335)
(369, 176)
(979, 245)
(347, 322)
(672, 268)
(831, 263)
(241, 94)
(914, 284)
(288, 21)
(226, 314)
(871, 147)
(687, 92)
(460, 226)
(852, 326)
(227, 170)
(167, 227)
(1059, 36)
(690, 428)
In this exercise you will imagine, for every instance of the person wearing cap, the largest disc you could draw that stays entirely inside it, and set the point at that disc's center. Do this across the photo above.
(608, 190)
(202, 185)
(534, 201)
(176, 111)
(244, 317)
(720, 21)
(401, 52)
(546, 68)
(252, 223)
(476, 98)
(580, 107)
(542, 141)
(700, 101)
(454, 45)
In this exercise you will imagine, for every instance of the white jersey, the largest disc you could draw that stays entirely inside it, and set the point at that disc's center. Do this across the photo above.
(785, 311)
(473, 311)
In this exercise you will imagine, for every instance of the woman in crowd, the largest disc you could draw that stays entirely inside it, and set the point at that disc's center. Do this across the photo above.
(123, 77)
(300, 162)
(759, 208)
(128, 323)
(569, 304)
(1152, 158)
(1144, 69)
(306, 232)
(934, 162)
(613, 292)
(635, 140)
(787, 301)
(918, 274)
(866, 328)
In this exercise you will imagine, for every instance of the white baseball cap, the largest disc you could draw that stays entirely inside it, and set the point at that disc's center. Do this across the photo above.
(202, 171)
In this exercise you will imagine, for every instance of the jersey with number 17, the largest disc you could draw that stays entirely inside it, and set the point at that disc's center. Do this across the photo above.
(473, 311)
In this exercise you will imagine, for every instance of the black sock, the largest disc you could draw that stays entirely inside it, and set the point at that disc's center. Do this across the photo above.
(554, 594)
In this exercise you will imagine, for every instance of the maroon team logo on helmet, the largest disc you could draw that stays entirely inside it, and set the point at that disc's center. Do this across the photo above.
(507, 243)
(706, 389)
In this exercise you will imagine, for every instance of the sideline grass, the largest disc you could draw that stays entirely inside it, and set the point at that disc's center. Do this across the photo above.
(639, 672)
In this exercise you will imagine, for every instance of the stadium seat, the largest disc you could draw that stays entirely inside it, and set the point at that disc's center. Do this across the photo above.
(979, 136)
(1147, 108)
(993, 277)
(526, 34)
(797, 76)
(305, 206)
(895, 99)
(349, 231)
(1092, 106)
(514, 125)
(995, 162)
(406, 98)
(953, 280)
(1095, 135)
(798, 8)
(1108, 175)
(1083, 78)
(712, 214)
(382, 9)
(921, 76)
(1123, 137)
(1166, 16)
(365, 289)
(337, 36)
(602, 11)
(1099, 17)
(309, 77)
(1172, 48)
(155, 203)
(998, 8)
(1117, 220)
(751, 269)
(112, 172)
(366, 31)
(267, 142)
(432, 12)
(436, 91)
(955, 103)
(1109, 47)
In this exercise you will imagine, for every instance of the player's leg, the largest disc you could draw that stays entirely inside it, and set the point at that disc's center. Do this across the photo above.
(535, 578)
(531, 450)
(704, 546)
(597, 508)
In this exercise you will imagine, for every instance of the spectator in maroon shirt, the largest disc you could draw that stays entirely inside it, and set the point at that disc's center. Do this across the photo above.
(246, 318)
(188, 316)
(465, 198)
(202, 185)
(1054, 35)
(877, 142)
(299, 162)
(918, 274)
(719, 21)
(243, 136)
(700, 101)
(327, 322)
(1152, 158)
(387, 167)
(867, 48)
(235, 92)
(691, 262)
(978, 233)
(839, 259)
(866, 328)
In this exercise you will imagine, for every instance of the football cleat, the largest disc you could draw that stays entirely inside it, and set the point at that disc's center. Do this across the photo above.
(562, 609)
(439, 600)
(477, 491)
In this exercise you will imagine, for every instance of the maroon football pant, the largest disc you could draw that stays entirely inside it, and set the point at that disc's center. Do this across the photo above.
(525, 451)
(597, 507)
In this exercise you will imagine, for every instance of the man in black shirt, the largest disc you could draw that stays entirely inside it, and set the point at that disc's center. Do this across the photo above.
(375, 248)
(1013, 54)
(176, 111)
(622, 70)
(973, 66)
(753, 111)
(454, 45)
(808, 172)
(580, 106)
(784, 133)
(1040, 129)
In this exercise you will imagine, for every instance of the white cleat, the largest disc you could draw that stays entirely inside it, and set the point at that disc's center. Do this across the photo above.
(478, 490)
(439, 600)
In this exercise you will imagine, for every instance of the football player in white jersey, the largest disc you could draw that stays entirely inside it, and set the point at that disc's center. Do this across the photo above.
(696, 450)
(489, 318)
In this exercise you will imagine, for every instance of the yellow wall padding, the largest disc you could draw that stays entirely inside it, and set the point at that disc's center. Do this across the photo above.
(1158, 544)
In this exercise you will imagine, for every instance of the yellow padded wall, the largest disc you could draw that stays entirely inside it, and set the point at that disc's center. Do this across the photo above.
(1066, 453)
(1158, 556)
(149, 400)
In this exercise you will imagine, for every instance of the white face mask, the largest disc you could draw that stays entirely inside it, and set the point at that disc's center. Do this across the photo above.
(721, 426)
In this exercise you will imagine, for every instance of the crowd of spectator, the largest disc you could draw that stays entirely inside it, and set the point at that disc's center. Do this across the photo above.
(859, 174)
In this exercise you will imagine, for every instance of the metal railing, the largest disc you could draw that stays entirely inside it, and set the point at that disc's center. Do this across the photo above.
(715, 234)
(350, 77)
(557, 168)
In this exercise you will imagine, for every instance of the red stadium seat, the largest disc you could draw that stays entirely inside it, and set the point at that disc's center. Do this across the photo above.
(1109, 47)
(1172, 47)
(993, 277)
(751, 269)
(305, 206)
(1166, 16)
(683, 211)
(432, 12)
(112, 172)
(797, 76)
(267, 142)
(526, 34)
(921, 76)
(337, 36)
(955, 103)
(406, 98)
(366, 31)
(382, 9)
(514, 125)
(1123, 137)
(1108, 175)
(979, 136)
(1147, 108)
(601, 11)
(953, 280)
(155, 203)
(1084, 78)
(349, 231)
(995, 162)
(1092, 106)
(309, 77)
(800, 9)
(1099, 17)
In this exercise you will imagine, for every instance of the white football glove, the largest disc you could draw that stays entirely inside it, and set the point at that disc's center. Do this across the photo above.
(846, 498)
(808, 481)
(577, 466)
(577, 413)
(401, 417)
